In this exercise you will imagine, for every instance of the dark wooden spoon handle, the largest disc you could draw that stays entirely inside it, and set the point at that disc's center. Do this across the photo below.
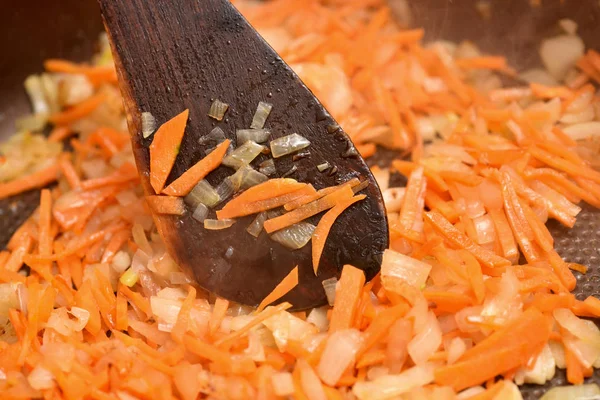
(178, 54)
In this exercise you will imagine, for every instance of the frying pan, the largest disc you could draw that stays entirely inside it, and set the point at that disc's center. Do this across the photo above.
(33, 30)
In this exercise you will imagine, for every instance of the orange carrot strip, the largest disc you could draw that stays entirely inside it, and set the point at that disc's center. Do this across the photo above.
(264, 205)
(121, 322)
(433, 178)
(505, 235)
(15, 261)
(484, 62)
(592, 304)
(284, 287)
(347, 297)
(96, 74)
(414, 199)
(164, 149)
(34, 180)
(206, 351)
(170, 205)
(186, 182)
(78, 111)
(126, 173)
(547, 92)
(562, 270)
(491, 392)
(565, 165)
(308, 210)
(380, 326)
(114, 245)
(574, 367)
(68, 171)
(219, 312)
(458, 239)
(319, 237)
(137, 299)
(183, 318)
(7, 276)
(292, 205)
(366, 150)
(434, 202)
(60, 133)
(266, 190)
(475, 275)
(85, 299)
(447, 302)
(547, 302)
(548, 174)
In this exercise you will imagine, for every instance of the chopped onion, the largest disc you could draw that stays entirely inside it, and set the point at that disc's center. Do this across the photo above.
(288, 144)
(260, 116)
(243, 155)
(568, 25)
(245, 178)
(470, 392)
(32, 123)
(309, 381)
(393, 198)
(166, 309)
(179, 278)
(538, 75)
(267, 167)
(484, 227)
(73, 89)
(35, 90)
(397, 269)
(225, 189)
(82, 317)
(329, 285)
(50, 84)
(256, 226)
(296, 236)
(560, 53)
(456, 349)
(148, 124)
(218, 109)
(558, 353)
(583, 130)
(40, 378)
(8, 298)
(121, 261)
(573, 392)
(578, 327)
(382, 176)
(392, 386)
(283, 384)
(339, 353)
(215, 136)
(426, 342)
(323, 167)
(542, 371)
(256, 135)
(585, 115)
(218, 224)
(318, 317)
(285, 326)
(202, 193)
(581, 102)
(200, 213)
(554, 197)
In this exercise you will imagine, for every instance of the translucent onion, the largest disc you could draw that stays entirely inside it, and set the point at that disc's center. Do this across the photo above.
(243, 155)
(538, 75)
(214, 137)
(329, 285)
(573, 392)
(50, 85)
(218, 109)
(8, 297)
(225, 189)
(392, 386)
(397, 268)
(560, 53)
(260, 116)
(582, 116)
(542, 370)
(558, 353)
(256, 226)
(218, 224)
(456, 349)
(148, 124)
(583, 130)
(121, 261)
(245, 178)
(393, 198)
(200, 213)
(267, 167)
(283, 384)
(288, 144)
(339, 353)
(256, 135)
(484, 227)
(73, 89)
(285, 326)
(35, 90)
(202, 193)
(318, 317)
(382, 176)
(426, 342)
(323, 167)
(296, 236)
(165, 309)
(40, 378)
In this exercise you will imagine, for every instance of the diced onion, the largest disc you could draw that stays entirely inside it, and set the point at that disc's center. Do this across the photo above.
(260, 116)
(285, 326)
(572, 392)
(218, 224)
(329, 285)
(288, 144)
(267, 167)
(73, 89)
(382, 176)
(165, 309)
(283, 384)
(225, 189)
(40, 378)
(392, 386)
(121, 261)
(542, 370)
(202, 193)
(583, 130)
(256, 135)
(397, 268)
(323, 167)
(456, 349)
(200, 213)
(318, 317)
(243, 155)
(256, 226)
(82, 317)
(294, 237)
(578, 327)
(484, 227)
(558, 353)
(245, 178)
(585, 115)
(568, 25)
(393, 198)
(35, 90)
(560, 53)
(148, 124)
(214, 137)
(339, 353)
(538, 75)
(426, 342)
(218, 109)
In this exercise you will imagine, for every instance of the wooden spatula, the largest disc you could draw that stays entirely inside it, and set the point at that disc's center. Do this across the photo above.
(173, 55)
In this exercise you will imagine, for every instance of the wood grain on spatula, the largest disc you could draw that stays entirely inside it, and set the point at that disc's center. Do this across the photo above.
(174, 55)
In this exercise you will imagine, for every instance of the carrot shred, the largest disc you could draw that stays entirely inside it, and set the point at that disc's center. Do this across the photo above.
(169, 205)
(35, 180)
(164, 149)
(78, 111)
(219, 311)
(292, 205)
(319, 237)
(186, 182)
(346, 298)
(285, 286)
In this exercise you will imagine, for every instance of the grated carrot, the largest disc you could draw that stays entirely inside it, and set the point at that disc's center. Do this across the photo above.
(346, 298)
(170, 205)
(78, 111)
(285, 286)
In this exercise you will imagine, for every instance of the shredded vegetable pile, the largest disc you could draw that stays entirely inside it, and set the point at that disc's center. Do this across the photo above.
(472, 299)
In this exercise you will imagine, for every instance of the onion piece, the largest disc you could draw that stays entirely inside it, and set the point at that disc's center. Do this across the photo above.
(285, 326)
(294, 237)
(200, 213)
(329, 285)
(558, 353)
(129, 278)
(218, 224)
(225, 189)
(121, 261)
(568, 25)
(392, 386)
(572, 392)
(339, 353)
(260, 116)
(578, 327)
(214, 137)
(35, 90)
(583, 130)
(426, 342)
(538, 75)
(218, 109)
(283, 384)
(318, 317)
(256, 226)
(148, 124)
(382, 176)
(245, 178)
(542, 371)
(243, 155)
(267, 167)
(484, 227)
(288, 144)
(256, 135)
(560, 53)
(397, 268)
(202, 193)
(393, 198)
(323, 167)
(40, 378)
